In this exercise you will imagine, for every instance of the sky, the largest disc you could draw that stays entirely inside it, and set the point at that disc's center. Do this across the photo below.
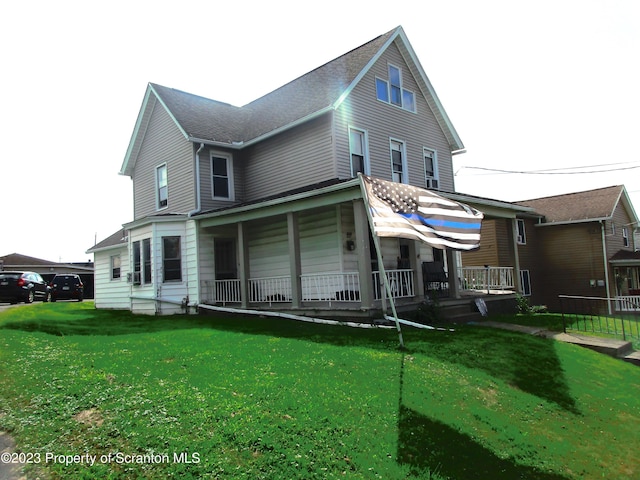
(531, 87)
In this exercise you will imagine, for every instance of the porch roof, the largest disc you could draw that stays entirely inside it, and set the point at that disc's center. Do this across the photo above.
(333, 191)
(626, 257)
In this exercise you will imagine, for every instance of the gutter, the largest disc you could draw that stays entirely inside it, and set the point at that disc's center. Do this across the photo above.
(197, 167)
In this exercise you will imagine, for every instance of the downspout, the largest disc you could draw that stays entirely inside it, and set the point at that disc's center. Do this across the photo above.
(198, 202)
(606, 266)
(185, 300)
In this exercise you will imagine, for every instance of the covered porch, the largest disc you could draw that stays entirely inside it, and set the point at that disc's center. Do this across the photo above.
(313, 252)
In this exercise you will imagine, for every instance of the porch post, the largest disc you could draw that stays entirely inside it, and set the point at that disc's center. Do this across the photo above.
(243, 261)
(516, 257)
(364, 253)
(294, 259)
(452, 273)
(416, 266)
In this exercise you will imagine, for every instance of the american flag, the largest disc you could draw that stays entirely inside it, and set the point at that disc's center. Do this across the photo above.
(400, 210)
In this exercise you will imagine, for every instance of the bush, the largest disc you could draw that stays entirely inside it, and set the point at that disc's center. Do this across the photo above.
(522, 304)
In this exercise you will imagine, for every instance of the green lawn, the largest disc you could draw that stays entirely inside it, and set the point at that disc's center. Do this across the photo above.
(263, 398)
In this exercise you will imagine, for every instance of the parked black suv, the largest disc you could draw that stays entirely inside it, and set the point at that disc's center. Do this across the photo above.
(23, 287)
(66, 286)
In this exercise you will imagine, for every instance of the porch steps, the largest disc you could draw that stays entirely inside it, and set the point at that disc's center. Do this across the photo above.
(465, 310)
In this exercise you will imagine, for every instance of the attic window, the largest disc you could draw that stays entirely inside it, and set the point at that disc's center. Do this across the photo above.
(391, 91)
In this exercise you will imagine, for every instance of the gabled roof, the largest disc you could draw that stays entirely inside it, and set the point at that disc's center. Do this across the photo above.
(117, 239)
(587, 206)
(19, 259)
(203, 120)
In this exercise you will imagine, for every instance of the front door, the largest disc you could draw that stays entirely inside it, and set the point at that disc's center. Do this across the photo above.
(225, 258)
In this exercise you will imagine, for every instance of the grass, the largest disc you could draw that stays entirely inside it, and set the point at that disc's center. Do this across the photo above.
(263, 398)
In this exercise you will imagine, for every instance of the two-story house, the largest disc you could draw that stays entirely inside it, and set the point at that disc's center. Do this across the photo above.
(261, 205)
(579, 244)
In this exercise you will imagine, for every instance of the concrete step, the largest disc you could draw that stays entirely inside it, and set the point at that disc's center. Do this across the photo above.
(613, 348)
(633, 357)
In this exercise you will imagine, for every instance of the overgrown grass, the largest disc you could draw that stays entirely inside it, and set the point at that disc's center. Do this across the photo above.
(264, 398)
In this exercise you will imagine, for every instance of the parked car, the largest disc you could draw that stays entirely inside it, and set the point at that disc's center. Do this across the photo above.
(23, 287)
(66, 286)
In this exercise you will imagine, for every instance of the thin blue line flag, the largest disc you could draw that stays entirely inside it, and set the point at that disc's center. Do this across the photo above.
(400, 210)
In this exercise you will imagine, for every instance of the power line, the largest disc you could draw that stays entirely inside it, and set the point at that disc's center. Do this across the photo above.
(554, 171)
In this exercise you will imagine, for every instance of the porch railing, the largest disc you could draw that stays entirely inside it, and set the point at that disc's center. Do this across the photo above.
(222, 291)
(317, 287)
(627, 303)
(486, 278)
(400, 281)
(270, 289)
(331, 287)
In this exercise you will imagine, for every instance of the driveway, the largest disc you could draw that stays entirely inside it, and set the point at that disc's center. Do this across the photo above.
(4, 306)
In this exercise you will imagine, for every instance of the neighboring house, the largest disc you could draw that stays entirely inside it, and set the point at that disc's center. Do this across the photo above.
(260, 206)
(578, 244)
(48, 269)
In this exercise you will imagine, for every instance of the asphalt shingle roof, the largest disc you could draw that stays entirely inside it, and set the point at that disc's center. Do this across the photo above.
(577, 206)
(314, 91)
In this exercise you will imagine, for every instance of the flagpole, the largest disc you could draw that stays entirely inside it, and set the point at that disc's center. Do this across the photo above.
(383, 274)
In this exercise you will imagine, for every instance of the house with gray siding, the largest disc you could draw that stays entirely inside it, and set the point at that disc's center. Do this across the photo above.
(261, 206)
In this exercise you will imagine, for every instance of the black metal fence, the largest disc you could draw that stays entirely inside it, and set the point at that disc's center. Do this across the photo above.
(618, 316)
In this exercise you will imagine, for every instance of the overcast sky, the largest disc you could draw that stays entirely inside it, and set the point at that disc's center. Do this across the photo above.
(529, 86)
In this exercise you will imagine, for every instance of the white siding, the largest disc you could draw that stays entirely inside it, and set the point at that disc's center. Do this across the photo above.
(320, 245)
(268, 248)
(111, 293)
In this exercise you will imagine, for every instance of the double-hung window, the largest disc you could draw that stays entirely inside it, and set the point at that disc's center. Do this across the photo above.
(171, 259)
(392, 90)
(115, 267)
(142, 261)
(625, 236)
(162, 188)
(222, 176)
(358, 150)
(431, 168)
(398, 162)
(520, 230)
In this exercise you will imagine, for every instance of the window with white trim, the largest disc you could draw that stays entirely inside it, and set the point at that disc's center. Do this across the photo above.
(142, 261)
(522, 235)
(358, 152)
(392, 90)
(525, 281)
(162, 187)
(171, 259)
(222, 176)
(625, 236)
(431, 168)
(398, 162)
(115, 267)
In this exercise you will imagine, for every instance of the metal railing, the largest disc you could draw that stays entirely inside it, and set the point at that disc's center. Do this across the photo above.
(617, 316)
(486, 278)
(400, 282)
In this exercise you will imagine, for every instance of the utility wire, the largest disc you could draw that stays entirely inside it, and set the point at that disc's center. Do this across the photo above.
(552, 171)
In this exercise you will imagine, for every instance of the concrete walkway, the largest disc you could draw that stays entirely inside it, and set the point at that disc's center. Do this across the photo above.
(9, 471)
(621, 349)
